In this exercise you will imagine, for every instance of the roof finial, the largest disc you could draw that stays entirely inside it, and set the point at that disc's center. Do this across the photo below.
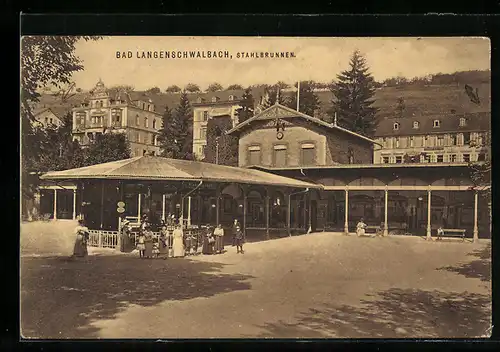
(335, 119)
(277, 95)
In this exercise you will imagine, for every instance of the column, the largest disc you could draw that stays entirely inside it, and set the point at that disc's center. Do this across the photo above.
(267, 213)
(55, 203)
(244, 214)
(74, 204)
(163, 207)
(288, 214)
(217, 205)
(346, 223)
(309, 229)
(429, 234)
(139, 206)
(476, 231)
(386, 201)
(189, 212)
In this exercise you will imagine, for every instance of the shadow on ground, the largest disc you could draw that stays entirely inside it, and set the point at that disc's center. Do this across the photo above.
(60, 297)
(479, 268)
(394, 313)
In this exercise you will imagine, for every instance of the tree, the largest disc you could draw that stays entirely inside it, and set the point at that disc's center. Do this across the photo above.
(183, 129)
(154, 90)
(308, 101)
(215, 87)
(45, 60)
(273, 93)
(108, 147)
(282, 85)
(400, 107)
(124, 87)
(353, 101)
(235, 87)
(192, 88)
(247, 106)
(173, 89)
(167, 137)
(221, 148)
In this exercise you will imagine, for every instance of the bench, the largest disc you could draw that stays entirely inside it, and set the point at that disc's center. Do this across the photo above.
(454, 233)
(375, 229)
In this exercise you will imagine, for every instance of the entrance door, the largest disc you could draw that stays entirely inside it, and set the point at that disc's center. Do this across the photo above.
(314, 214)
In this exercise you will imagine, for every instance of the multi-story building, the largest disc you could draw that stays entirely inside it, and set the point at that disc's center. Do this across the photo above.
(116, 111)
(433, 139)
(212, 105)
(52, 116)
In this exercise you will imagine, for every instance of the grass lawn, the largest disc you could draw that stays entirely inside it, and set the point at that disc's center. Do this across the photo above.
(317, 285)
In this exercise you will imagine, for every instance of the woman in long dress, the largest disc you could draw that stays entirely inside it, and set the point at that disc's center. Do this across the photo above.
(360, 228)
(208, 242)
(178, 244)
(82, 235)
(219, 239)
(164, 241)
(148, 243)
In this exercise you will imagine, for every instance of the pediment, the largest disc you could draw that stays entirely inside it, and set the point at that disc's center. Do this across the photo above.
(276, 112)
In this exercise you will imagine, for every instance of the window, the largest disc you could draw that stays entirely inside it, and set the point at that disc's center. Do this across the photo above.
(416, 124)
(466, 138)
(439, 158)
(139, 137)
(308, 154)
(440, 141)
(46, 120)
(399, 159)
(144, 152)
(154, 123)
(146, 138)
(279, 155)
(51, 120)
(203, 133)
(205, 115)
(466, 158)
(396, 126)
(146, 122)
(137, 120)
(412, 142)
(462, 122)
(254, 155)
(481, 157)
(384, 142)
(214, 99)
(426, 141)
(155, 140)
(453, 158)
(453, 139)
(397, 142)
(350, 155)
(436, 124)
(231, 97)
(385, 160)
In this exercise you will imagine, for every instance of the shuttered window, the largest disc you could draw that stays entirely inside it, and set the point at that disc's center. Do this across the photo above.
(254, 155)
(308, 154)
(279, 156)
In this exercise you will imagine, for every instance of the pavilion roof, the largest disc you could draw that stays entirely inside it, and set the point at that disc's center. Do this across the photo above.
(158, 168)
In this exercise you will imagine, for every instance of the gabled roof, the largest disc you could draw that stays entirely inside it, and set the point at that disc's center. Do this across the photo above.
(164, 169)
(58, 111)
(480, 121)
(283, 112)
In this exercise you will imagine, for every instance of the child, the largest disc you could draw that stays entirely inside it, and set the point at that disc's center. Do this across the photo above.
(380, 230)
(440, 233)
(360, 228)
(239, 240)
(156, 250)
(141, 244)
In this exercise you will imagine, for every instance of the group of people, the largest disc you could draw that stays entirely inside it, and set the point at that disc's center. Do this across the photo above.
(361, 229)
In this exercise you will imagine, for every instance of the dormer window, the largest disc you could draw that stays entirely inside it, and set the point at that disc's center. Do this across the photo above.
(416, 124)
(214, 99)
(463, 122)
(231, 97)
(396, 126)
(199, 100)
(437, 123)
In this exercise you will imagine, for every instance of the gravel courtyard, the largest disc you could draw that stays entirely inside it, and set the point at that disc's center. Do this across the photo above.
(311, 286)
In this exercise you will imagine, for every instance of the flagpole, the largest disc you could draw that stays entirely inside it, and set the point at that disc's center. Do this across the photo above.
(298, 94)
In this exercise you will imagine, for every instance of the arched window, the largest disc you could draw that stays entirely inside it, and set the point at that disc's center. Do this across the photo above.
(146, 123)
(396, 126)
(416, 124)
(436, 124)
(154, 123)
(463, 122)
(231, 97)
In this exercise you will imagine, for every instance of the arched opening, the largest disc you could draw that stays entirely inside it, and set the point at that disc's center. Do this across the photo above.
(256, 209)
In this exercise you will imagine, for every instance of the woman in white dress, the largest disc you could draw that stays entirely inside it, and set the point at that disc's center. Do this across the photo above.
(360, 228)
(178, 245)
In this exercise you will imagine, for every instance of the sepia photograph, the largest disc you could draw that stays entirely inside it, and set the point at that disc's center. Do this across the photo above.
(205, 187)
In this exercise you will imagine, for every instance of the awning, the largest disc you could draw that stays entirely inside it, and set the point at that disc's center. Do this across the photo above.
(164, 169)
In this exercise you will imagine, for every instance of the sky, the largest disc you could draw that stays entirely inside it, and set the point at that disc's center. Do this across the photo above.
(318, 59)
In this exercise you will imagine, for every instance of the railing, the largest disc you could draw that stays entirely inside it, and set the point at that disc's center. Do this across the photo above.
(104, 239)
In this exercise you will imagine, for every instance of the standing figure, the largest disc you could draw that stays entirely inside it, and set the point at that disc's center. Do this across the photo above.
(440, 233)
(82, 235)
(148, 243)
(219, 239)
(140, 244)
(208, 242)
(124, 234)
(163, 241)
(380, 230)
(235, 225)
(178, 245)
(360, 228)
(239, 240)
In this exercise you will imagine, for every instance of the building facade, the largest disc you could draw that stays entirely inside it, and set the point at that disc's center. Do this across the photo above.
(115, 111)
(433, 139)
(305, 141)
(213, 105)
(50, 116)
